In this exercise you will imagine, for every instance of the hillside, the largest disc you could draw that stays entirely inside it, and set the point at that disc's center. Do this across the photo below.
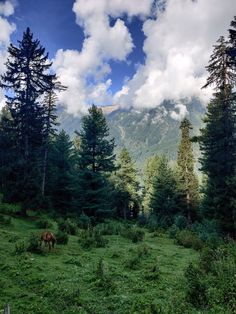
(144, 132)
(134, 277)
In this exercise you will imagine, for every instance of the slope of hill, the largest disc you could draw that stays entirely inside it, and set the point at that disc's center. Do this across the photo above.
(144, 132)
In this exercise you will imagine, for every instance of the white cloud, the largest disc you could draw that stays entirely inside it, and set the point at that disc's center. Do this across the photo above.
(177, 47)
(180, 113)
(102, 43)
(6, 8)
(6, 29)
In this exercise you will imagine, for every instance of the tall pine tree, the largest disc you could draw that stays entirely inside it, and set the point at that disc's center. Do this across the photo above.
(164, 201)
(26, 80)
(187, 177)
(96, 162)
(218, 141)
(127, 200)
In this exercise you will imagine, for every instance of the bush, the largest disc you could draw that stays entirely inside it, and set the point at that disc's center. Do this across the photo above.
(9, 209)
(133, 233)
(44, 224)
(68, 226)
(92, 238)
(62, 237)
(142, 220)
(156, 222)
(5, 220)
(143, 250)
(85, 221)
(133, 262)
(34, 245)
(211, 282)
(188, 239)
(196, 290)
(109, 228)
(173, 230)
(103, 279)
(208, 231)
(20, 247)
(153, 273)
(181, 222)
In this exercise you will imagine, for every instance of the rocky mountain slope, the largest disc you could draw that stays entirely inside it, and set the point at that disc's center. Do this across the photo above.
(144, 132)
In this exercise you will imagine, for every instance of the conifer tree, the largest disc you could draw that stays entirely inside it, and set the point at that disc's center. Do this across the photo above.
(188, 179)
(150, 172)
(26, 79)
(232, 39)
(50, 123)
(218, 141)
(165, 198)
(126, 184)
(61, 181)
(96, 161)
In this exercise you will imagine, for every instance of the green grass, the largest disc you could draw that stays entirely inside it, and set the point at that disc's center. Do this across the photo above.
(146, 277)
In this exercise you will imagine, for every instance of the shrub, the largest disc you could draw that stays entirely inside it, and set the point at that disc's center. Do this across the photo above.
(68, 226)
(156, 222)
(92, 238)
(208, 231)
(103, 279)
(196, 290)
(109, 228)
(135, 234)
(153, 273)
(142, 220)
(143, 250)
(133, 262)
(9, 209)
(43, 224)
(20, 247)
(62, 237)
(181, 222)
(211, 282)
(5, 220)
(13, 238)
(173, 230)
(34, 245)
(85, 221)
(188, 239)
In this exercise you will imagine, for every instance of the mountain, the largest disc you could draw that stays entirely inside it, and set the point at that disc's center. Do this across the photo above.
(144, 132)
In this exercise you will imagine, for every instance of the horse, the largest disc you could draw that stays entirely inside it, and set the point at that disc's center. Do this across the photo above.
(48, 238)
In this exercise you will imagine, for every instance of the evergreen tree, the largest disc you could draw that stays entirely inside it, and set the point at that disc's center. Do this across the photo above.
(50, 122)
(127, 187)
(188, 179)
(61, 181)
(96, 161)
(232, 39)
(165, 198)
(26, 80)
(218, 141)
(150, 172)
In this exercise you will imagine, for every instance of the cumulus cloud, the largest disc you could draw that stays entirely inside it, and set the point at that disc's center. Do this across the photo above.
(180, 113)
(178, 46)
(102, 43)
(6, 29)
(6, 8)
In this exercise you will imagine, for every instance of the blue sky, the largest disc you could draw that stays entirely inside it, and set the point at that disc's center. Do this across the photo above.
(123, 52)
(53, 23)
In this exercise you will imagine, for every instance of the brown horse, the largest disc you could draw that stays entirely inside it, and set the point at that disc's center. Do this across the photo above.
(48, 238)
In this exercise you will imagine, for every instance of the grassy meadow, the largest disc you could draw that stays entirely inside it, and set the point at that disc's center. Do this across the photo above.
(122, 277)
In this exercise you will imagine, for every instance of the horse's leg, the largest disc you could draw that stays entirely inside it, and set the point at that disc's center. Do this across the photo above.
(49, 245)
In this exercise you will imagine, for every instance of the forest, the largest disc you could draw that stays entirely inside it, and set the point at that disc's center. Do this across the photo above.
(159, 242)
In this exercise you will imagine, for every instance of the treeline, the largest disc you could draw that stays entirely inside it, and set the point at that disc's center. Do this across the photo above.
(45, 170)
